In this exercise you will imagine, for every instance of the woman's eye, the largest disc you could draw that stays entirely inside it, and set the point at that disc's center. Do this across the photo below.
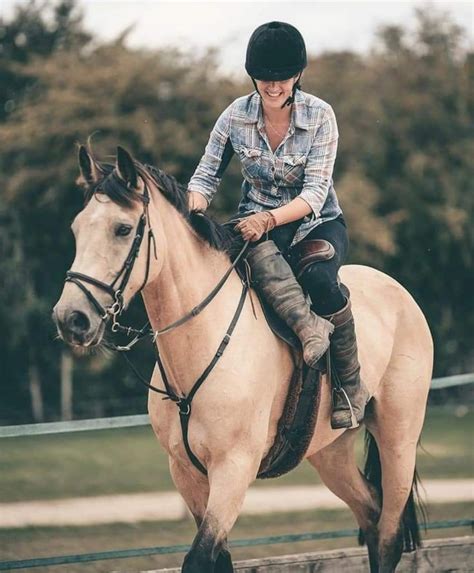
(123, 230)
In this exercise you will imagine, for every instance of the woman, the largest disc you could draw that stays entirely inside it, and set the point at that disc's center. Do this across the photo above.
(287, 141)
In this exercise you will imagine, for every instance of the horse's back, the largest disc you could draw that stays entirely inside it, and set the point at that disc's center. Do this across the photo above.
(391, 329)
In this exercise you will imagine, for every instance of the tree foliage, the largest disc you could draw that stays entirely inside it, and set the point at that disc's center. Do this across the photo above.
(402, 172)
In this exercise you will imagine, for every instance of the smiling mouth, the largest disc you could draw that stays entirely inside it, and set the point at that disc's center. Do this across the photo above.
(274, 95)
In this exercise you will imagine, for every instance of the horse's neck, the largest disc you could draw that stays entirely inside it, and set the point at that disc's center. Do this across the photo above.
(190, 271)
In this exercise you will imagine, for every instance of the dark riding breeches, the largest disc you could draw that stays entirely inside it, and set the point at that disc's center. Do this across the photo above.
(319, 279)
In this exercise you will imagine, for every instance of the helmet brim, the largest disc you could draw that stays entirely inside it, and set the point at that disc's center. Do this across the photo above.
(266, 75)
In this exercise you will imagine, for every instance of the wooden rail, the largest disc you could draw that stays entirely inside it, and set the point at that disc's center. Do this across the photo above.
(437, 555)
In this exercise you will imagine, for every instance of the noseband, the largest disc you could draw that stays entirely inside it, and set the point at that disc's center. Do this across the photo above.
(116, 292)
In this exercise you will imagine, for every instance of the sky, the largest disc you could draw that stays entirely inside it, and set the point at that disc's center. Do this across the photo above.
(227, 25)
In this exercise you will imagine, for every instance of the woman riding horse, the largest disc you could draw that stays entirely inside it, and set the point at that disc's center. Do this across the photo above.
(286, 140)
(237, 412)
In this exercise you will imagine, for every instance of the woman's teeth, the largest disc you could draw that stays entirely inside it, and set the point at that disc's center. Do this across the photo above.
(274, 94)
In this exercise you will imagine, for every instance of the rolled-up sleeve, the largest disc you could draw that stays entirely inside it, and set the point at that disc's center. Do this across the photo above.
(320, 163)
(217, 156)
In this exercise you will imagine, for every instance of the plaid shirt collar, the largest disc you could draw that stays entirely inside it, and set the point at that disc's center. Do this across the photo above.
(299, 117)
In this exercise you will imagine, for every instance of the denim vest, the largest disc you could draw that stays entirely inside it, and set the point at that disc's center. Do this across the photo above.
(301, 166)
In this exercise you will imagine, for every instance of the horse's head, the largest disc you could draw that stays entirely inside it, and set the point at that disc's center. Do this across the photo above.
(116, 250)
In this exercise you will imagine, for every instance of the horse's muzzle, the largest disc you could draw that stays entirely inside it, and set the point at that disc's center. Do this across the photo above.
(76, 327)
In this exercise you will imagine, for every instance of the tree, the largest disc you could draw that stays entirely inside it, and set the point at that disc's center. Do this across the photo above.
(426, 94)
(37, 29)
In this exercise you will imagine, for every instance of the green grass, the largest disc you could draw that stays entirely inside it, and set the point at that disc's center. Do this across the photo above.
(47, 541)
(131, 460)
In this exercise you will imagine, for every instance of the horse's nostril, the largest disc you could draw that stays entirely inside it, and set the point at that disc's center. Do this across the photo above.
(78, 322)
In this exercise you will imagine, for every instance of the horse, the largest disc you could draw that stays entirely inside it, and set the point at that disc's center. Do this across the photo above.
(237, 409)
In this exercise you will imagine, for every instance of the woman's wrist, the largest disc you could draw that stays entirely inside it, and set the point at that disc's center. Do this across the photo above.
(197, 201)
(293, 211)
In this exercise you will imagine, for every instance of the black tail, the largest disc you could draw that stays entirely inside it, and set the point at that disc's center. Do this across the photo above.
(409, 521)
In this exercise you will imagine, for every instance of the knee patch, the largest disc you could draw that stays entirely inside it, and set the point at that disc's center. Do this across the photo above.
(306, 253)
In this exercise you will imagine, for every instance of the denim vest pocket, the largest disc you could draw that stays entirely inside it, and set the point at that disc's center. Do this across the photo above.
(251, 161)
(293, 169)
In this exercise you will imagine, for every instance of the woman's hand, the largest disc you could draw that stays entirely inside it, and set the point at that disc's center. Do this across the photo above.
(196, 201)
(254, 226)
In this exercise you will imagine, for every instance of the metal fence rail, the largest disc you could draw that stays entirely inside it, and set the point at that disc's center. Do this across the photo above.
(143, 419)
(145, 551)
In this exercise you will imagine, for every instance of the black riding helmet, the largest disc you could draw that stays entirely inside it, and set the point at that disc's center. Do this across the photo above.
(276, 51)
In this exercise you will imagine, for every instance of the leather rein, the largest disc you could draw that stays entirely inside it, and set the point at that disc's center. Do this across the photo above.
(117, 306)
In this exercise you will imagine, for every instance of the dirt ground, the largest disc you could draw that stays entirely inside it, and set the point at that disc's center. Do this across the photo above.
(163, 506)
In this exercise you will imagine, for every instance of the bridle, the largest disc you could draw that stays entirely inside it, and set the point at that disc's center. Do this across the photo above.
(116, 292)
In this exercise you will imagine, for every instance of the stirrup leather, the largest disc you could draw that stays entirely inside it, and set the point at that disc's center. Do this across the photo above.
(354, 422)
(336, 386)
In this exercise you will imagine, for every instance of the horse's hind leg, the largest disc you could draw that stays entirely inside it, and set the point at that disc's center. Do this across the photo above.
(397, 527)
(338, 469)
(228, 483)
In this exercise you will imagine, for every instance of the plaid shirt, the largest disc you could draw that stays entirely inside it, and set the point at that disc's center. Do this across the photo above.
(301, 166)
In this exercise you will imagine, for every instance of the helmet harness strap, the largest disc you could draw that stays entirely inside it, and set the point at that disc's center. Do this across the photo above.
(290, 99)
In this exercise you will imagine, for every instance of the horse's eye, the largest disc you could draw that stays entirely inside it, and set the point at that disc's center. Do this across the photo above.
(123, 230)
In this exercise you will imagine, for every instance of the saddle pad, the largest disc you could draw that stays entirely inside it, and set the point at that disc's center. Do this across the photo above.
(297, 423)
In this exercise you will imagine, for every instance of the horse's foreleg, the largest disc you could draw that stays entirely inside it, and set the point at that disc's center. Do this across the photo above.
(228, 483)
(338, 469)
(192, 486)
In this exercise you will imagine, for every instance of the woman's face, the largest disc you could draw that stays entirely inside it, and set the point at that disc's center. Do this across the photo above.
(274, 94)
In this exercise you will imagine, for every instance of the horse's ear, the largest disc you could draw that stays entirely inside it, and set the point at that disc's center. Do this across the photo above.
(90, 172)
(126, 168)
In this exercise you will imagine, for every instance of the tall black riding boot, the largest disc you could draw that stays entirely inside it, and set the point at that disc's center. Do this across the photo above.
(349, 394)
(273, 276)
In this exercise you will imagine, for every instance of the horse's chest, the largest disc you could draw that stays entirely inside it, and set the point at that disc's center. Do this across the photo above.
(164, 419)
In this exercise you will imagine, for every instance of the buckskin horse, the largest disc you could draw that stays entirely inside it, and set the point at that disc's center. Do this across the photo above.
(135, 234)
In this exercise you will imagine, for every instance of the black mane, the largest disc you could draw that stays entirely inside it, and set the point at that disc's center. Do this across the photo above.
(216, 235)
